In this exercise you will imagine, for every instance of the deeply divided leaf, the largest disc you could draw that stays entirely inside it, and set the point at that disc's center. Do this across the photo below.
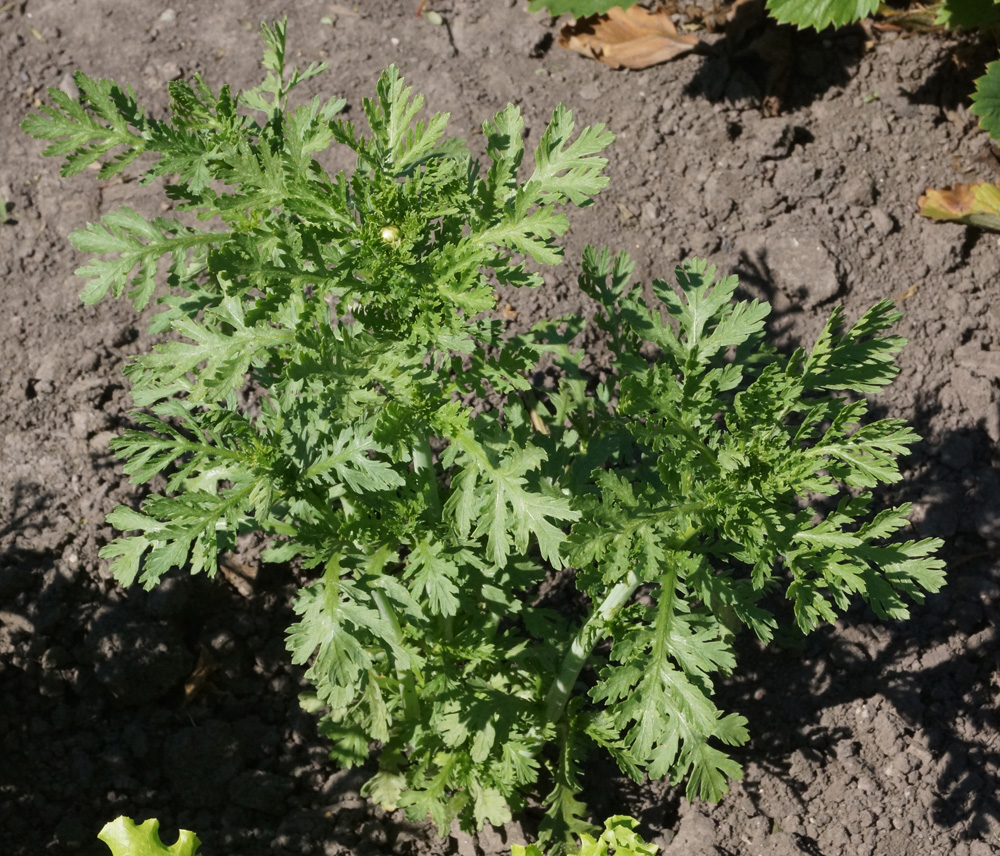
(508, 561)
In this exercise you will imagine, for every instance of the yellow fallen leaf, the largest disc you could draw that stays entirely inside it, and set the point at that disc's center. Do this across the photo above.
(970, 204)
(629, 38)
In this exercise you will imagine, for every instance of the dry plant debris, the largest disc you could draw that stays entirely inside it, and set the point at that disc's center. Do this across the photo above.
(627, 38)
(969, 204)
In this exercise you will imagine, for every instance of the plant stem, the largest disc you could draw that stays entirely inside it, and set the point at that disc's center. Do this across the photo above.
(404, 672)
(594, 629)
(423, 464)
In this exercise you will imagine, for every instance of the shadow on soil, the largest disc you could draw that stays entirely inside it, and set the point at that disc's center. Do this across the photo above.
(938, 672)
(957, 65)
(777, 66)
(757, 282)
(102, 709)
(784, 69)
(28, 503)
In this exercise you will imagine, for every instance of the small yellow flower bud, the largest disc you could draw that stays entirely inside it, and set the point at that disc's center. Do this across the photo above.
(390, 234)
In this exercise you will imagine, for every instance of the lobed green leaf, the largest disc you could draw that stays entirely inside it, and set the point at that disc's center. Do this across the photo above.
(126, 838)
(986, 100)
(335, 377)
(820, 14)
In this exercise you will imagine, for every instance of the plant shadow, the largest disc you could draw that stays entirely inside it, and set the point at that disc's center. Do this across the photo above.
(934, 674)
(776, 66)
(957, 65)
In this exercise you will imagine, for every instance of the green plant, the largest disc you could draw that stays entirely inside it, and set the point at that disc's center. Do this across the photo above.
(577, 8)
(504, 577)
(986, 99)
(618, 838)
(125, 838)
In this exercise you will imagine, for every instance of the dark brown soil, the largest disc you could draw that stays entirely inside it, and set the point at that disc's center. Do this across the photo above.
(871, 738)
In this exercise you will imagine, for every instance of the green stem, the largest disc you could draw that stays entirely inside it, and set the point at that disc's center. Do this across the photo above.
(593, 630)
(423, 465)
(323, 505)
(411, 704)
(404, 674)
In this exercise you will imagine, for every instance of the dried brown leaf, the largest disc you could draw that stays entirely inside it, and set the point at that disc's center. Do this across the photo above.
(538, 423)
(627, 38)
(198, 679)
(239, 575)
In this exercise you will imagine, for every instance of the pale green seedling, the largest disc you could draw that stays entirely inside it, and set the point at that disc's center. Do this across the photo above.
(126, 838)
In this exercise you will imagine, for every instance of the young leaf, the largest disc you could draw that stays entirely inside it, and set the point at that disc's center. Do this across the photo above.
(219, 355)
(136, 241)
(860, 359)
(434, 575)
(505, 149)
(178, 531)
(84, 131)
(506, 512)
(125, 838)
(567, 170)
(709, 323)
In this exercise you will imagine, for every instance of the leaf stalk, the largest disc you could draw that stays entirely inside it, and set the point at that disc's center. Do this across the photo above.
(408, 691)
(593, 630)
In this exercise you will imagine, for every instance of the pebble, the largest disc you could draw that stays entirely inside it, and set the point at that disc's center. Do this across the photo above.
(882, 221)
(99, 443)
(68, 85)
(170, 71)
(803, 265)
(859, 190)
